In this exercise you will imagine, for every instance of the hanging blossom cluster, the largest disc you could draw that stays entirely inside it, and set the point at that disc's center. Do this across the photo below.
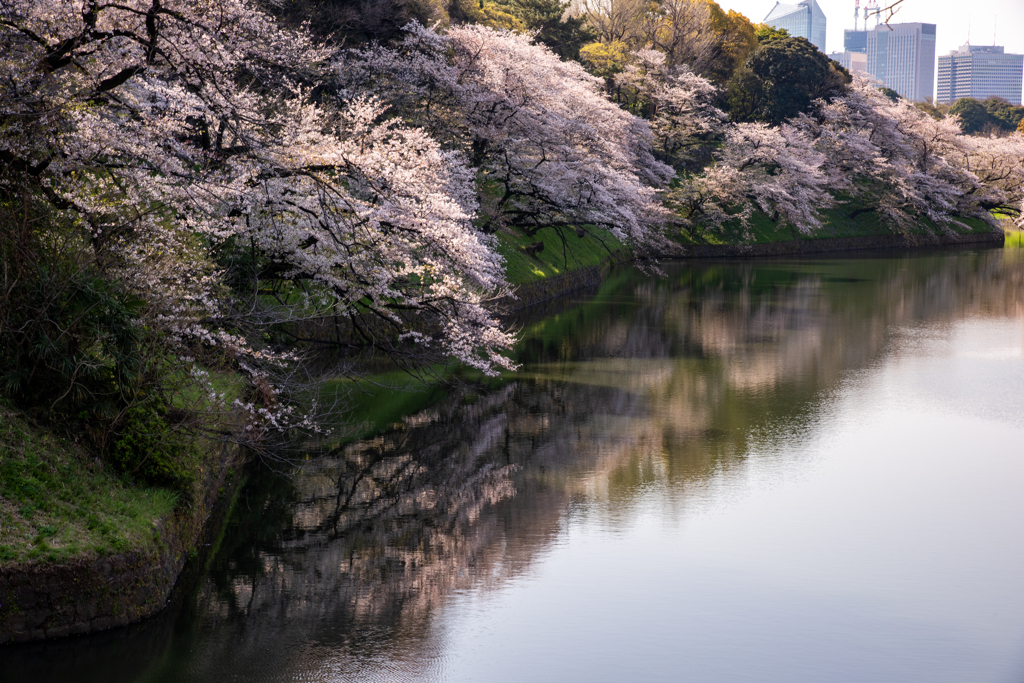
(678, 104)
(379, 216)
(172, 129)
(908, 164)
(890, 156)
(550, 149)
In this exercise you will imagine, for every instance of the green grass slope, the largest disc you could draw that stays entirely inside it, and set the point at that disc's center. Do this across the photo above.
(838, 222)
(561, 253)
(58, 503)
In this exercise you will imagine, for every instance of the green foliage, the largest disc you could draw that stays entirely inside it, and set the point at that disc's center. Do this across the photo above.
(351, 22)
(737, 38)
(605, 59)
(564, 37)
(780, 80)
(1007, 116)
(70, 341)
(936, 111)
(972, 113)
(75, 350)
(147, 450)
(994, 115)
(496, 14)
(765, 33)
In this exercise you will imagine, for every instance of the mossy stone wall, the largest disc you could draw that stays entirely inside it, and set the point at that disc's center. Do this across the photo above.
(40, 600)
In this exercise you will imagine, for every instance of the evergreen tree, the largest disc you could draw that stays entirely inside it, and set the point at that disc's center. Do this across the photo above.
(564, 35)
(781, 79)
(973, 115)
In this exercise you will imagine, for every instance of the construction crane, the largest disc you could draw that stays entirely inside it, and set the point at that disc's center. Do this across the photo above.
(872, 8)
(856, 16)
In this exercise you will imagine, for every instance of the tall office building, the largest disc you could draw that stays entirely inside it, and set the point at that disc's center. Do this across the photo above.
(855, 55)
(855, 41)
(804, 19)
(902, 57)
(979, 72)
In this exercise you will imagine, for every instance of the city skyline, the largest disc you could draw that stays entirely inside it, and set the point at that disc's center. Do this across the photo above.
(952, 23)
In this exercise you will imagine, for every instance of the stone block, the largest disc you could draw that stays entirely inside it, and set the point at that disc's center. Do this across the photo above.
(103, 623)
(36, 618)
(58, 631)
(79, 628)
(25, 597)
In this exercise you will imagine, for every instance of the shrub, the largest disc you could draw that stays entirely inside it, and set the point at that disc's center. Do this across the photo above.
(145, 448)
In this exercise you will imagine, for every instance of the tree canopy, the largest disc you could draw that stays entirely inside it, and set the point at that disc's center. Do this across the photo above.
(781, 78)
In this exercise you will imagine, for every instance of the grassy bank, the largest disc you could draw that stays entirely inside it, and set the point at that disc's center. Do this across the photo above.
(58, 503)
(564, 252)
(561, 253)
(839, 222)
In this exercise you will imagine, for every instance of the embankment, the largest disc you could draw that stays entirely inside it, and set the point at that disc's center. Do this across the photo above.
(40, 600)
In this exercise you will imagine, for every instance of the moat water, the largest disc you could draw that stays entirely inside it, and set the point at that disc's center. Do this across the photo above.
(761, 471)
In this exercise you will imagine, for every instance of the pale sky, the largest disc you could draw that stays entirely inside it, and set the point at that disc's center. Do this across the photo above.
(951, 18)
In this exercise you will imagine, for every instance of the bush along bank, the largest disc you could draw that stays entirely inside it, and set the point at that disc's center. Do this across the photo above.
(82, 549)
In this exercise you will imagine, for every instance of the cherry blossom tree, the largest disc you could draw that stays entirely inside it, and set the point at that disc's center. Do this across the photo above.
(550, 150)
(905, 164)
(879, 155)
(182, 138)
(678, 105)
(776, 170)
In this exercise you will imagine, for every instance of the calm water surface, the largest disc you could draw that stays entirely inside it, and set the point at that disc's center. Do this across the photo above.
(753, 471)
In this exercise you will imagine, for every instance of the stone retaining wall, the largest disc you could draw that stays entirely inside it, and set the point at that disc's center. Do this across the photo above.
(39, 601)
(839, 244)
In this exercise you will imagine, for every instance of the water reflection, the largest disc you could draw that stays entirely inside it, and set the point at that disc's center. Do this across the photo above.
(370, 562)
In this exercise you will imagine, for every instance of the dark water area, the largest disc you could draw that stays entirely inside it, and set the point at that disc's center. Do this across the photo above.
(791, 470)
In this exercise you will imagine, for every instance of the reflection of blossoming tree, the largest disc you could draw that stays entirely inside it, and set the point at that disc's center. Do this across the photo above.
(675, 388)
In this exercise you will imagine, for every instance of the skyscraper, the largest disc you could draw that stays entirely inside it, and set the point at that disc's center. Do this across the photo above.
(855, 41)
(902, 56)
(855, 51)
(804, 19)
(979, 72)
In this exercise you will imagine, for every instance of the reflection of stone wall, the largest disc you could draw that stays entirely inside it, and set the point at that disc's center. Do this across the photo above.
(40, 601)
